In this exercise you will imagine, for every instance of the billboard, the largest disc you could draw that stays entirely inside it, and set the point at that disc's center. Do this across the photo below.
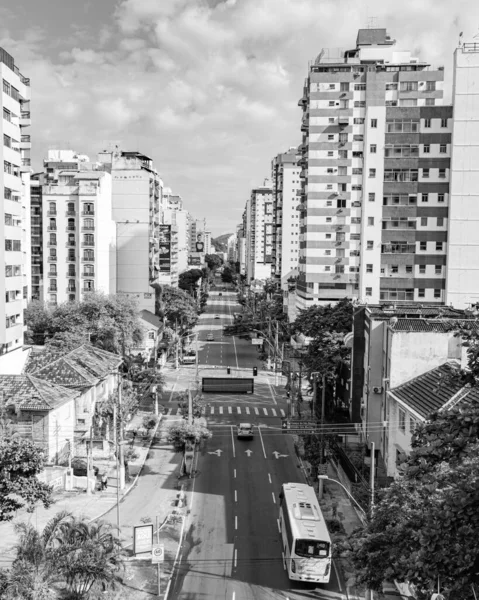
(195, 260)
(165, 249)
(200, 245)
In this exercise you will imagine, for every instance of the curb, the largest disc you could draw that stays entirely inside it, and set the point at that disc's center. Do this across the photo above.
(132, 485)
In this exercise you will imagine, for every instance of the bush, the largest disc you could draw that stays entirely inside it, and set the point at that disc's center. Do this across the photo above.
(149, 422)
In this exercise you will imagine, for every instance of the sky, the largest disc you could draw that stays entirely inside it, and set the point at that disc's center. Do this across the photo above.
(208, 89)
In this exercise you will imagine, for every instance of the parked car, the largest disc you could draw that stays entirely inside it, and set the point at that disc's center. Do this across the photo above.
(245, 430)
(210, 338)
(80, 469)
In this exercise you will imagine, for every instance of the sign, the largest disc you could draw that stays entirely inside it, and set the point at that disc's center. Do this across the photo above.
(165, 248)
(142, 538)
(300, 426)
(158, 554)
(194, 260)
(257, 342)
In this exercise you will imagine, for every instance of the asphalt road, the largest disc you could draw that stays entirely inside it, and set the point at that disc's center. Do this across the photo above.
(232, 548)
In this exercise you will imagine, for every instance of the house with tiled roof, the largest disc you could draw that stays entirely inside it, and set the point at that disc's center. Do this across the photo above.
(41, 411)
(151, 345)
(414, 401)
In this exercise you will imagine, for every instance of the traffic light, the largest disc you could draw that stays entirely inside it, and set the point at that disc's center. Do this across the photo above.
(255, 371)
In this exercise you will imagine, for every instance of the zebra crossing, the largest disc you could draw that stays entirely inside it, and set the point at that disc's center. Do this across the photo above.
(237, 410)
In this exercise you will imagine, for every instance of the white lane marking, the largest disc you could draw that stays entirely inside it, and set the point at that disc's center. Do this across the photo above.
(274, 412)
(238, 409)
(256, 410)
(247, 410)
(234, 595)
(212, 411)
(236, 496)
(274, 497)
(236, 522)
(284, 561)
(230, 410)
(221, 410)
(233, 442)
(283, 414)
(279, 526)
(234, 471)
(269, 477)
(262, 443)
(271, 390)
(265, 410)
(236, 556)
(337, 576)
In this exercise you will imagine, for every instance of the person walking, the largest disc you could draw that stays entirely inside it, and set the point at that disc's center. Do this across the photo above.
(104, 481)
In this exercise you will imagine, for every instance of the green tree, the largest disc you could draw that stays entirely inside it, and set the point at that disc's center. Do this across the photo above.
(213, 261)
(426, 525)
(20, 463)
(188, 280)
(228, 276)
(316, 320)
(179, 434)
(176, 307)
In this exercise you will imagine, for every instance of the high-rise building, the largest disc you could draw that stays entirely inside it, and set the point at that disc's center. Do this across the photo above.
(208, 247)
(78, 232)
(15, 192)
(376, 158)
(286, 186)
(259, 233)
(141, 254)
(462, 281)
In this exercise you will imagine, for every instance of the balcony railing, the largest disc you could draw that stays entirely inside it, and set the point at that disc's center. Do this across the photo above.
(71, 243)
(92, 243)
(87, 213)
(53, 290)
(70, 213)
(86, 274)
(398, 249)
(52, 259)
(25, 114)
(51, 244)
(51, 213)
(70, 259)
(71, 274)
(90, 289)
(52, 228)
(87, 260)
(71, 290)
(71, 228)
(88, 228)
(52, 274)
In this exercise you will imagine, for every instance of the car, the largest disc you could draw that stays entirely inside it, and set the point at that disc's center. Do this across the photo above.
(245, 430)
(217, 316)
(210, 338)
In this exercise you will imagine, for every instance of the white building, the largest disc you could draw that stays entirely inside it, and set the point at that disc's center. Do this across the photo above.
(15, 192)
(259, 233)
(232, 243)
(208, 248)
(462, 279)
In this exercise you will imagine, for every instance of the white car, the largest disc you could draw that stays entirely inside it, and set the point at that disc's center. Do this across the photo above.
(245, 430)
(210, 338)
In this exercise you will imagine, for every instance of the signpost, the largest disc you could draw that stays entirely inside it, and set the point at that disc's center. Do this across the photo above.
(157, 557)
(142, 539)
(300, 426)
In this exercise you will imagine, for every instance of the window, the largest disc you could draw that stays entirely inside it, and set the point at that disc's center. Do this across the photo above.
(329, 203)
(440, 198)
(400, 175)
(341, 203)
(357, 171)
(358, 137)
(443, 122)
(408, 268)
(344, 87)
(437, 293)
(430, 86)
(328, 268)
(359, 104)
(369, 268)
(7, 141)
(332, 86)
(8, 219)
(371, 196)
(440, 221)
(357, 187)
(330, 153)
(329, 186)
(427, 123)
(369, 291)
(328, 236)
(13, 245)
(438, 270)
(408, 86)
(423, 221)
(373, 148)
(402, 126)
(359, 87)
(421, 293)
(331, 103)
(370, 221)
(342, 170)
(402, 420)
(343, 153)
(425, 173)
(394, 269)
(439, 246)
(6, 87)
(7, 167)
(329, 220)
(330, 170)
(424, 197)
(7, 115)
(327, 253)
(442, 173)
(53, 253)
(430, 102)
(422, 245)
(391, 86)
(426, 148)
(330, 136)
(443, 148)
(358, 121)
(331, 120)
(422, 269)
(372, 173)
(369, 245)
(374, 123)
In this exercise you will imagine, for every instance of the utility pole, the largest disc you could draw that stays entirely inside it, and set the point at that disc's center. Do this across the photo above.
(196, 360)
(89, 460)
(177, 342)
(323, 402)
(373, 468)
(190, 408)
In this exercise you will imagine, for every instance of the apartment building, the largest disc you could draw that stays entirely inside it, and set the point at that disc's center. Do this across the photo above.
(78, 232)
(15, 190)
(241, 244)
(136, 193)
(286, 194)
(259, 232)
(462, 280)
(376, 159)
(174, 213)
(36, 237)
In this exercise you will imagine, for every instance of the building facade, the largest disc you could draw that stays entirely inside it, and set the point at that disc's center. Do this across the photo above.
(259, 233)
(376, 159)
(15, 189)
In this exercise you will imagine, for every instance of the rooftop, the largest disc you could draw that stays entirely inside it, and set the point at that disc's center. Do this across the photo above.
(374, 37)
(28, 392)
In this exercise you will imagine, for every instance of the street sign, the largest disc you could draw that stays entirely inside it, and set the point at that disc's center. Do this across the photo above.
(257, 342)
(142, 539)
(158, 554)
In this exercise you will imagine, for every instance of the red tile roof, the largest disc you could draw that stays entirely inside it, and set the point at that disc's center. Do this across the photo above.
(30, 393)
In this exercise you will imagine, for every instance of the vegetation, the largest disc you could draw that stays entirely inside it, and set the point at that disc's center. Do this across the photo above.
(108, 322)
(21, 461)
(176, 308)
(180, 434)
(198, 406)
(221, 242)
(426, 525)
(213, 261)
(188, 281)
(228, 275)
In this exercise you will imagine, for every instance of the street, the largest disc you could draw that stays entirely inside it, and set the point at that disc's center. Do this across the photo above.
(232, 545)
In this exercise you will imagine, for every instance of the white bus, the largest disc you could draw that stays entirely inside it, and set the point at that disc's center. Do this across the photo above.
(305, 538)
(189, 358)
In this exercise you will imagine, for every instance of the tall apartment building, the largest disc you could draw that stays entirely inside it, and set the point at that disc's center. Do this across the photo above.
(78, 232)
(462, 281)
(15, 190)
(136, 194)
(36, 228)
(286, 187)
(376, 160)
(259, 233)
(174, 213)
(241, 244)
(208, 247)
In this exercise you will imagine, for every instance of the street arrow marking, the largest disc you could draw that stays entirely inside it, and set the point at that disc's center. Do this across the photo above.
(278, 455)
(249, 452)
(217, 452)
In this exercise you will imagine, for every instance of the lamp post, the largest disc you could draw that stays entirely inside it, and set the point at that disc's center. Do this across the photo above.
(361, 510)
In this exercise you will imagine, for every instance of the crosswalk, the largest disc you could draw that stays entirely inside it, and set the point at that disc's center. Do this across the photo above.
(237, 410)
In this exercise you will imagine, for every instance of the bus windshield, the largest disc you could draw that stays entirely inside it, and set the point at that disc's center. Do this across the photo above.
(312, 548)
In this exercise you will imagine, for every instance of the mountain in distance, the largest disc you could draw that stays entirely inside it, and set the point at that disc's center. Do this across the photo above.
(221, 242)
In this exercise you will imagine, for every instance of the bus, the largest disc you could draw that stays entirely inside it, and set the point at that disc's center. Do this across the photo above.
(189, 358)
(305, 538)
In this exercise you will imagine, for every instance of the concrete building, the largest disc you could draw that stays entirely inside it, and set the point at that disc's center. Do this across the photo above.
(375, 158)
(79, 241)
(462, 281)
(15, 219)
(174, 213)
(286, 186)
(259, 233)
(36, 229)
(136, 193)
(232, 243)
(208, 247)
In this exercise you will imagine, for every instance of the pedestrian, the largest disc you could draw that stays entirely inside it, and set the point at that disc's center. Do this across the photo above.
(104, 481)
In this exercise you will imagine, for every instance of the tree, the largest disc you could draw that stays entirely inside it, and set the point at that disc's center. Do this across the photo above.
(198, 406)
(425, 526)
(316, 320)
(21, 461)
(176, 307)
(228, 276)
(213, 261)
(149, 422)
(181, 433)
(188, 280)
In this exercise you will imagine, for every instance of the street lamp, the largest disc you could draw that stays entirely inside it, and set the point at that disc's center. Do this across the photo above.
(325, 477)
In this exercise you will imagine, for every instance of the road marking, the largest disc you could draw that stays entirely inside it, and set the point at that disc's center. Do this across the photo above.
(230, 410)
(262, 443)
(239, 410)
(236, 496)
(274, 412)
(233, 442)
(265, 410)
(234, 471)
(221, 410)
(269, 477)
(274, 498)
(279, 526)
(212, 411)
(337, 576)
(271, 390)
(234, 595)
(256, 410)
(247, 410)
(284, 561)
(282, 412)
(236, 522)
(236, 556)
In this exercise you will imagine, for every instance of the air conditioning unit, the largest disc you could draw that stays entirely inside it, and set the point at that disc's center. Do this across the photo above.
(377, 389)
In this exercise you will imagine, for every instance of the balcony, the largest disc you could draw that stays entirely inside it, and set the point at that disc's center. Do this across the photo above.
(70, 259)
(53, 290)
(88, 228)
(89, 289)
(25, 120)
(52, 274)
(51, 213)
(70, 213)
(398, 249)
(71, 243)
(50, 244)
(86, 244)
(71, 290)
(71, 274)
(52, 228)
(70, 228)
(52, 259)
(88, 274)
(87, 213)
(87, 260)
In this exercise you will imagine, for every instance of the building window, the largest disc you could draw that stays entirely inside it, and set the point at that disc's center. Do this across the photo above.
(408, 86)
(370, 221)
(327, 253)
(438, 270)
(437, 293)
(7, 115)
(423, 221)
(422, 269)
(430, 102)
(443, 122)
(443, 148)
(402, 420)
(328, 268)
(426, 148)
(422, 245)
(7, 141)
(373, 148)
(6, 87)
(343, 153)
(374, 123)
(421, 293)
(329, 220)
(369, 291)
(370, 245)
(331, 153)
(359, 87)
(371, 196)
(328, 236)
(427, 123)
(440, 198)
(53, 298)
(372, 173)
(344, 86)
(425, 173)
(424, 197)
(332, 86)
(408, 268)
(442, 173)
(330, 136)
(394, 269)
(331, 103)
(439, 246)
(331, 120)
(430, 86)
(440, 221)
(369, 268)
